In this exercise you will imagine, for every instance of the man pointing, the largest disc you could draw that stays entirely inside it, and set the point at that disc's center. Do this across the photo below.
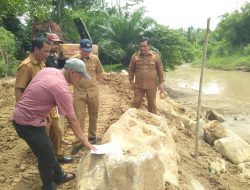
(47, 89)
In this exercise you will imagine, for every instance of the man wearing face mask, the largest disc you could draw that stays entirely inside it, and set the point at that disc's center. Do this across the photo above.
(51, 61)
(53, 128)
(145, 75)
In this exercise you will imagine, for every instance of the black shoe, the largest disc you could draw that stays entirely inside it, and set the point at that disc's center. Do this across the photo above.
(65, 159)
(93, 140)
(76, 149)
(67, 177)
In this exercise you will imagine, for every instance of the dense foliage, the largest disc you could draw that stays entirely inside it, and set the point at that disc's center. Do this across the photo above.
(229, 46)
(116, 27)
(7, 49)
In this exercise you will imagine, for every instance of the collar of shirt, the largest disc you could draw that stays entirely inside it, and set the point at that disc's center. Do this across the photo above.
(85, 58)
(34, 61)
(149, 53)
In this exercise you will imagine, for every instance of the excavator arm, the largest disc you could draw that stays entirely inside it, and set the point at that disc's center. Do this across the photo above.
(82, 29)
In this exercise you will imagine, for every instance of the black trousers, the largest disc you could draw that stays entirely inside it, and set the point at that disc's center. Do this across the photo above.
(40, 144)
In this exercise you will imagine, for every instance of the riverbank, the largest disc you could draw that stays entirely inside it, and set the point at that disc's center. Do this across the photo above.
(227, 92)
(236, 113)
(228, 63)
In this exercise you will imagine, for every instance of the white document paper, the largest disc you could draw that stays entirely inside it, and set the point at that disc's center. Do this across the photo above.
(108, 148)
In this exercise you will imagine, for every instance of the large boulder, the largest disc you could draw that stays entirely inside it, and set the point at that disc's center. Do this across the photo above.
(234, 149)
(214, 115)
(149, 157)
(214, 131)
(121, 172)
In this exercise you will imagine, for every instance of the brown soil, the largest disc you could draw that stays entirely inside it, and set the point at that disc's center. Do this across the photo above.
(18, 166)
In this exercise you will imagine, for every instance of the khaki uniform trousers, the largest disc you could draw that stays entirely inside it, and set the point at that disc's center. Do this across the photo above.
(54, 132)
(79, 104)
(151, 98)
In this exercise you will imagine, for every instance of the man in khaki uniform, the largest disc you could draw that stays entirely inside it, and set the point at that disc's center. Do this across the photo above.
(27, 70)
(144, 69)
(86, 92)
(31, 65)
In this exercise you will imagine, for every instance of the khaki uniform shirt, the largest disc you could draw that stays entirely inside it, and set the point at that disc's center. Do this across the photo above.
(85, 87)
(145, 70)
(27, 70)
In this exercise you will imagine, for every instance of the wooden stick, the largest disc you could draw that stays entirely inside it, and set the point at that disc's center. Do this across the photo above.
(200, 91)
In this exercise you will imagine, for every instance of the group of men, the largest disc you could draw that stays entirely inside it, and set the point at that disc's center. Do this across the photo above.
(42, 94)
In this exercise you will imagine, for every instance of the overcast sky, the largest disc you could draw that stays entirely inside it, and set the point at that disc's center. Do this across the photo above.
(185, 13)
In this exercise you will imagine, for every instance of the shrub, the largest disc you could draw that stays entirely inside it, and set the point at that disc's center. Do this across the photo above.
(7, 49)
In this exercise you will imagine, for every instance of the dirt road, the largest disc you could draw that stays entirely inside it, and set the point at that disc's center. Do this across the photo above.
(18, 170)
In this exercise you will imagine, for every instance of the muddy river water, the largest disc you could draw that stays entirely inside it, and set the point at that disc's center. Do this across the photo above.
(218, 86)
(231, 84)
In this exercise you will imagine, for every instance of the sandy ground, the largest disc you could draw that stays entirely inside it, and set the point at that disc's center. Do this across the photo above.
(18, 169)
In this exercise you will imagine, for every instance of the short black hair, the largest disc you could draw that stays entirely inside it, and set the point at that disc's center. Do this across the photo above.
(145, 39)
(38, 43)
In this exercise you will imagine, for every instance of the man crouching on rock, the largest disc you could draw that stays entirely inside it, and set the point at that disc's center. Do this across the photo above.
(47, 89)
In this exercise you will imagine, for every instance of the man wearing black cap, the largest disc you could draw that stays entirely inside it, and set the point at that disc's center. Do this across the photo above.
(86, 92)
(47, 89)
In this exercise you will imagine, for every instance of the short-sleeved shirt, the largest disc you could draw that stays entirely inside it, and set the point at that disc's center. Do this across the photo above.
(147, 70)
(27, 70)
(85, 87)
(46, 90)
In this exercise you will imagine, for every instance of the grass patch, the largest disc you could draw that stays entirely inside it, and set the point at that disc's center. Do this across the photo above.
(228, 63)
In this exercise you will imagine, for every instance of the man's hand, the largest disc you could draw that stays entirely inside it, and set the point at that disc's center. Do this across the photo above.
(161, 88)
(88, 145)
(75, 126)
(132, 86)
(99, 77)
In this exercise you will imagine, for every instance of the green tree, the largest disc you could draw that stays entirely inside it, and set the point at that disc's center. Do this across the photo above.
(7, 49)
(17, 8)
(235, 27)
(116, 28)
(173, 46)
(119, 34)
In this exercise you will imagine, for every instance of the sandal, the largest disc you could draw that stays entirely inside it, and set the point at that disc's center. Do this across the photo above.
(76, 149)
(93, 140)
(67, 177)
